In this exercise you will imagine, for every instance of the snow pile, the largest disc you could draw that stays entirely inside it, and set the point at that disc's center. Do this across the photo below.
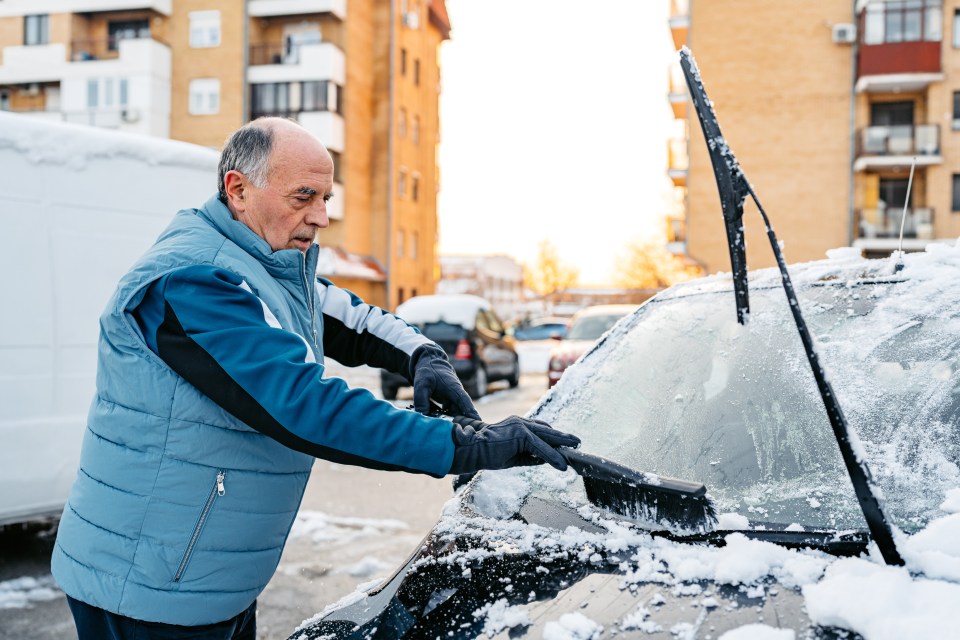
(22, 592)
(572, 626)
(366, 567)
(758, 632)
(500, 615)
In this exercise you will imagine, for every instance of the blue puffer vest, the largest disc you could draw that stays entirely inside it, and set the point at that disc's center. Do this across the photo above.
(179, 511)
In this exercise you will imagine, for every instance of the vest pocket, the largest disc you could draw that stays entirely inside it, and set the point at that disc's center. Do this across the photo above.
(217, 491)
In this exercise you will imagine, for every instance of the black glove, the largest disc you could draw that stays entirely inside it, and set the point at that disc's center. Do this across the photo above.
(434, 376)
(514, 442)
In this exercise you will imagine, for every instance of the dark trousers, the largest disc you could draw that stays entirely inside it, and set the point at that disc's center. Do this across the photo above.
(96, 624)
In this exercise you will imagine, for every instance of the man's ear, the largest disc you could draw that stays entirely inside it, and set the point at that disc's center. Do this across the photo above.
(235, 184)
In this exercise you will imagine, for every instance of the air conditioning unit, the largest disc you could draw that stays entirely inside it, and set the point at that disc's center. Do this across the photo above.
(411, 19)
(130, 115)
(844, 33)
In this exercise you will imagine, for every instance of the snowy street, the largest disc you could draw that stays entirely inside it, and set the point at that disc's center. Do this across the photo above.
(355, 526)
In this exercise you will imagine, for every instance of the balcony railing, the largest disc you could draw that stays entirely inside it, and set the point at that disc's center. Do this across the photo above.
(899, 140)
(678, 162)
(99, 49)
(884, 222)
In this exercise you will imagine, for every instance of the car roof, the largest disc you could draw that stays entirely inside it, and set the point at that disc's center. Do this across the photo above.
(458, 309)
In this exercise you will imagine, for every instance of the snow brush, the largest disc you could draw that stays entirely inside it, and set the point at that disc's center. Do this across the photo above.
(734, 189)
(677, 505)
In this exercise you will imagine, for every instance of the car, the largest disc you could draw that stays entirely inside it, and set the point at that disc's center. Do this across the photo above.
(546, 328)
(586, 327)
(682, 390)
(470, 332)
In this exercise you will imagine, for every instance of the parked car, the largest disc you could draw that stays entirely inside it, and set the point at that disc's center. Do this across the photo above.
(471, 333)
(547, 328)
(586, 327)
(56, 284)
(681, 389)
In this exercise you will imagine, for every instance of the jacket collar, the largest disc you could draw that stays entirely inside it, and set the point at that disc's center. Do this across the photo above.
(285, 263)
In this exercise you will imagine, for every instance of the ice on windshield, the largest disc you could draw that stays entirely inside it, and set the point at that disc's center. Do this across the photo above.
(682, 390)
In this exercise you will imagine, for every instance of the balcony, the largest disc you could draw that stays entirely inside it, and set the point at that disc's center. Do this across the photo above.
(276, 62)
(19, 8)
(899, 46)
(267, 8)
(327, 126)
(677, 161)
(679, 21)
(880, 228)
(678, 95)
(897, 146)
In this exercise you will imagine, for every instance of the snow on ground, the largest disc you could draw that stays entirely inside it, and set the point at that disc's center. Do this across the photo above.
(324, 528)
(22, 592)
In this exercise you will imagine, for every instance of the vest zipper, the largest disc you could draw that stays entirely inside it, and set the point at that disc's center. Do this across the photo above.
(218, 490)
(310, 293)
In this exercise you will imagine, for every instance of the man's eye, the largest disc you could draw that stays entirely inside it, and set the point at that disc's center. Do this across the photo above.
(327, 197)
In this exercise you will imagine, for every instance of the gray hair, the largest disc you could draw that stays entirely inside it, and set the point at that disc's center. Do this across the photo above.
(247, 150)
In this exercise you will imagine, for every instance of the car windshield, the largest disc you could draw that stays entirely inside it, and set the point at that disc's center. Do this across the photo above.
(682, 390)
(592, 327)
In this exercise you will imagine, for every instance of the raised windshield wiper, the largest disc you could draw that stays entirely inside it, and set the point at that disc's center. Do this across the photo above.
(734, 188)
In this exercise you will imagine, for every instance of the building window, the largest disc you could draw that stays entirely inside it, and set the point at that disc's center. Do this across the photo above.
(956, 193)
(402, 183)
(204, 29)
(320, 95)
(400, 297)
(204, 96)
(124, 92)
(403, 62)
(126, 30)
(287, 98)
(415, 129)
(93, 93)
(415, 187)
(903, 21)
(337, 166)
(413, 249)
(402, 122)
(956, 28)
(36, 29)
(416, 72)
(401, 241)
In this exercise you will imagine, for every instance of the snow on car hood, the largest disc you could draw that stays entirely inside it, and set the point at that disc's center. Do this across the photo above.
(858, 594)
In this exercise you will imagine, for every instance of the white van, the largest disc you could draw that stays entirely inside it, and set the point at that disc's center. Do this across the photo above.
(78, 205)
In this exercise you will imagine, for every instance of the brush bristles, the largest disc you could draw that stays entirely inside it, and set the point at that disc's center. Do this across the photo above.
(675, 511)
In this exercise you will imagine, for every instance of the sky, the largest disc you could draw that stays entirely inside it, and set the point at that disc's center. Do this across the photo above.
(554, 121)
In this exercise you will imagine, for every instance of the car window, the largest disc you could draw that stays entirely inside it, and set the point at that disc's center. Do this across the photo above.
(689, 393)
(493, 322)
(592, 327)
(482, 322)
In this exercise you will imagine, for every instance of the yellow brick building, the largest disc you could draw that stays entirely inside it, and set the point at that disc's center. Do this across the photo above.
(363, 75)
(826, 105)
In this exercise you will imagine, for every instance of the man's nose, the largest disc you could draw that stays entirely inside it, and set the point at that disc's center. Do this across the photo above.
(317, 216)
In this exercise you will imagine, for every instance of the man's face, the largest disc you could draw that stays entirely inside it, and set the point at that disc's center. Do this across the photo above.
(289, 210)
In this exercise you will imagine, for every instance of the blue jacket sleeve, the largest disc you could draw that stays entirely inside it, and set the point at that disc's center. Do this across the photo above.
(207, 325)
(356, 333)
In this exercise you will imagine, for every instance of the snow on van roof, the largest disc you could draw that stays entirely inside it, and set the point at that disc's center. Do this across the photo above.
(458, 309)
(45, 142)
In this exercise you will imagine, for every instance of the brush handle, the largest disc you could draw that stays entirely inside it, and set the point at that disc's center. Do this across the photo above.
(597, 468)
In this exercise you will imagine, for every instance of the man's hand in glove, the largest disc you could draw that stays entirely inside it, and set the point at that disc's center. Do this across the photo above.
(514, 442)
(433, 376)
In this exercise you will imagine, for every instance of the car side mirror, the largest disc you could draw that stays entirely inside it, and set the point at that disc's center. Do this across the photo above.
(556, 336)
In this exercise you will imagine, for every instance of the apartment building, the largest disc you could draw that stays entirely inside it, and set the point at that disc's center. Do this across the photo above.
(827, 105)
(363, 75)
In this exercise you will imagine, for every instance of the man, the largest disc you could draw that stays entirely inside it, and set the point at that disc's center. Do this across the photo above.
(211, 405)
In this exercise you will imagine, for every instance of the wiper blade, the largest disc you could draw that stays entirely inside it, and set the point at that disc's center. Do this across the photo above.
(850, 544)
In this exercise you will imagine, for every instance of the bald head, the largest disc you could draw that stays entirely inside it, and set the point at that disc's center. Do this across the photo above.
(276, 178)
(249, 149)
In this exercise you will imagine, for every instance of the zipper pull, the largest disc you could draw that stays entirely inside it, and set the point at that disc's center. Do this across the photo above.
(220, 488)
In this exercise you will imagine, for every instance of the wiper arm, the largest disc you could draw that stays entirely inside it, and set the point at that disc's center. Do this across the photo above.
(729, 176)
